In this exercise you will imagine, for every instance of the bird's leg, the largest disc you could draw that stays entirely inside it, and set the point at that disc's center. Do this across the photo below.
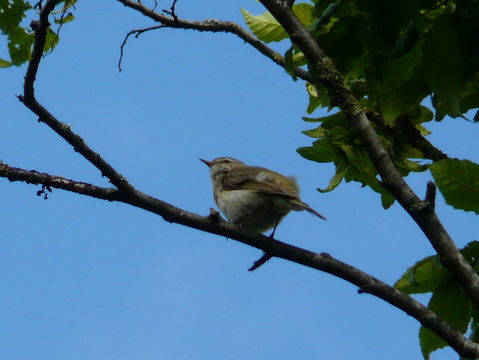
(275, 226)
(263, 259)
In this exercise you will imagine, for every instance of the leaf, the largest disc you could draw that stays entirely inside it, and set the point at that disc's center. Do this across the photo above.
(407, 39)
(423, 277)
(334, 120)
(409, 165)
(442, 65)
(458, 181)
(341, 170)
(387, 200)
(51, 40)
(324, 17)
(451, 304)
(268, 29)
(362, 170)
(469, 98)
(19, 46)
(319, 132)
(313, 104)
(67, 5)
(264, 26)
(11, 14)
(471, 253)
(5, 63)
(402, 86)
(318, 96)
(65, 19)
(321, 151)
(310, 119)
(304, 12)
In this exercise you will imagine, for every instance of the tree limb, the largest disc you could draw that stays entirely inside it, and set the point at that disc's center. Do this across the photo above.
(58, 182)
(213, 25)
(62, 129)
(392, 180)
(323, 262)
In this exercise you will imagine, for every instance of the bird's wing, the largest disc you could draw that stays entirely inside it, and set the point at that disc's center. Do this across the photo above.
(261, 180)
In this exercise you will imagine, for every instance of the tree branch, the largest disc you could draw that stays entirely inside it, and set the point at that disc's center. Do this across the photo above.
(58, 182)
(212, 25)
(323, 262)
(392, 180)
(137, 33)
(62, 129)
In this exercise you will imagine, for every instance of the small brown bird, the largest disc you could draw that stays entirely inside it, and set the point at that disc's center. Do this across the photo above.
(254, 197)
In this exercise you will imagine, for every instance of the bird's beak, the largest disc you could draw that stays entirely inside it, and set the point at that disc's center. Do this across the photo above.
(208, 163)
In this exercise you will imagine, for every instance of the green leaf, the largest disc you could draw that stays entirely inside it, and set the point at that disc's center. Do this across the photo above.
(442, 66)
(19, 45)
(51, 40)
(471, 253)
(67, 5)
(322, 151)
(318, 96)
(458, 181)
(65, 19)
(407, 39)
(11, 14)
(268, 29)
(451, 304)
(324, 17)
(402, 86)
(341, 170)
(304, 12)
(470, 96)
(409, 165)
(335, 120)
(319, 132)
(5, 63)
(423, 277)
(264, 26)
(313, 104)
(310, 119)
(387, 200)
(339, 135)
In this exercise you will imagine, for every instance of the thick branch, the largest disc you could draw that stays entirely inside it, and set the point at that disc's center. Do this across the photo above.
(212, 25)
(29, 100)
(392, 180)
(322, 262)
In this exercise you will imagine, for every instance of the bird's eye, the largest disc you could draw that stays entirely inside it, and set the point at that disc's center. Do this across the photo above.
(226, 161)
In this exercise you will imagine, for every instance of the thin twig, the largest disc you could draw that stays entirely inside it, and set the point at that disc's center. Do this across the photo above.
(172, 11)
(137, 33)
(211, 25)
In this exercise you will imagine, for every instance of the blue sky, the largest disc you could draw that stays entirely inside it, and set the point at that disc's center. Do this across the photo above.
(86, 279)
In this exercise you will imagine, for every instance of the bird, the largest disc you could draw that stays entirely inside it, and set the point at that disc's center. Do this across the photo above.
(254, 197)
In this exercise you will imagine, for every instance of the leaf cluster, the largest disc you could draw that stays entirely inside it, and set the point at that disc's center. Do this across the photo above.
(392, 54)
(20, 38)
(448, 300)
(338, 143)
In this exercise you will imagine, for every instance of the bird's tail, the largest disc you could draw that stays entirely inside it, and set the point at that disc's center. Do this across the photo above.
(303, 206)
